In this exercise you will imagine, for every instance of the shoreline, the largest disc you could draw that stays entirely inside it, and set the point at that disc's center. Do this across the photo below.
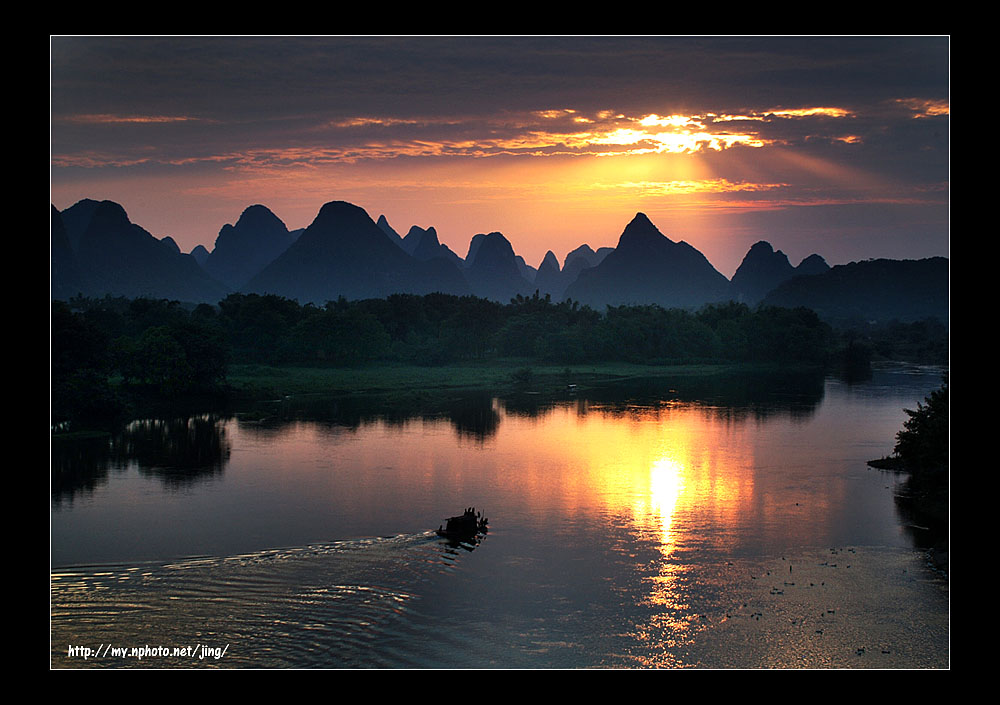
(503, 376)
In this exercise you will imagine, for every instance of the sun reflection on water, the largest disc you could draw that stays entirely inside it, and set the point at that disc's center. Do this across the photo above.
(666, 483)
(679, 479)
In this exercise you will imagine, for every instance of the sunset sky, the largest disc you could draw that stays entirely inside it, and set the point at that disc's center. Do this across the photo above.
(833, 145)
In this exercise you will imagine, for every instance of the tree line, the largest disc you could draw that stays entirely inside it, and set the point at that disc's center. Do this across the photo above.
(176, 350)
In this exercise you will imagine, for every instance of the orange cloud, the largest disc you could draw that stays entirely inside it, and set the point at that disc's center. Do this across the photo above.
(686, 187)
(811, 112)
(926, 108)
(544, 133)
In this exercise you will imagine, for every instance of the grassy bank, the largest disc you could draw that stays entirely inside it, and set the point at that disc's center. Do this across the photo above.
(498, 376)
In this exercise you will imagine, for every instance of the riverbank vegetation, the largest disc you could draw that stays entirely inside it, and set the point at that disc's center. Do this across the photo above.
(108, 352)
(922, 451)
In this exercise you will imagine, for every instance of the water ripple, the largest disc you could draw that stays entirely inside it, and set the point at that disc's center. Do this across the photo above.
(337, 605)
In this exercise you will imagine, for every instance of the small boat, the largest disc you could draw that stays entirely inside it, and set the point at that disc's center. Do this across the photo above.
(468, 526)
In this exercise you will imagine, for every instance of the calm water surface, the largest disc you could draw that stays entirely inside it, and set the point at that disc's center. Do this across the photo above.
(686, 523)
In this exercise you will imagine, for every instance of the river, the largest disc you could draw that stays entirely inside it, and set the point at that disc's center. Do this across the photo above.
(688, 523)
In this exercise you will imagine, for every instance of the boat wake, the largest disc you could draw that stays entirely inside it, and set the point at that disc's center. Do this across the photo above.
(335, 605)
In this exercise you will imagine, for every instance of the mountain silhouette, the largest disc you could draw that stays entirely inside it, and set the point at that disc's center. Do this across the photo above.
(345, 253)
(244, 249)
(763, 269)
(813, 264)
(527, 271)
(108, 254)
(549, 278)
(171, 244)
(585, 254)
(96, 251)
(648, 268)
(492, 269)
(874, 290)
(424, 245)
(414, 238)
(383, 224)
(76, 218)
(200, 254)
(474, 244)
(583, 257)
(64, 273)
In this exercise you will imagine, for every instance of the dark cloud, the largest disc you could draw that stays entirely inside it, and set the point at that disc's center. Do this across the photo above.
(274, 91)
(341, 76)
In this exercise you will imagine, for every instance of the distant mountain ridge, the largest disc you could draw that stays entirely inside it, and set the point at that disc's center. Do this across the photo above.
(395, 237)
(648, 267)
(345, 253)
(64, 269)
(102, 252)
(764, 268)
(873, 290)
(492, 268)
(244, 249)
(549, 279)
(96, 250)
(424, 245)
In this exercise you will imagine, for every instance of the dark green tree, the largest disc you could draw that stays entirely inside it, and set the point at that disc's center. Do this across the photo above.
(80, 365)
(922, 445)
(922, 450)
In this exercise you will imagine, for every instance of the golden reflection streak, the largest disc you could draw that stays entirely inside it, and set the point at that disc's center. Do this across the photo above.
(666, 483)
(652, 469)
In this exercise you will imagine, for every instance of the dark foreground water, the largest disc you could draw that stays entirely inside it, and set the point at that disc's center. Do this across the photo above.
(687, 523)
